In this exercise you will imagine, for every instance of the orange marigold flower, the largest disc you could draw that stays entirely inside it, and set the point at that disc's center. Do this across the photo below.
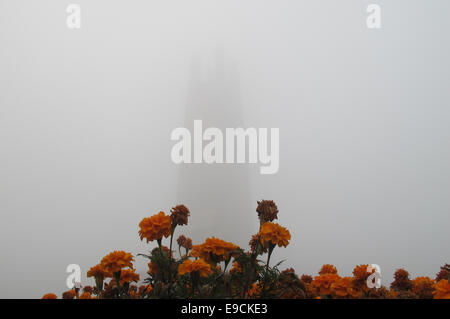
(423, 287)
(128, 275)
(323, 283)
(214, 250)
(267, 211)
(155, 227)
(378, 293)
(198, 266)
(85, 295)
(116, 261)
(179, 215)
(360, 272)
(442, 289)
(198, 251)
(343, 288)
(70, 294)
(254, 291)
(275, 234)
(98, 272)
(360, 275)
(49, 296)
(328, 269)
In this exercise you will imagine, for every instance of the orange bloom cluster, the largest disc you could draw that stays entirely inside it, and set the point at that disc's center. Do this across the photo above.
(254, 291)
(275, 234)
(344, 288)
(198, 266)
(85, 295)
(214, 250)
(155, 227)
(128, 275)
(442, 289)
(323, 283)
(70, 294)
(249, 276)
(98, 271)
(116, 261)
(327, 269)
(360, 272)
(423, 287)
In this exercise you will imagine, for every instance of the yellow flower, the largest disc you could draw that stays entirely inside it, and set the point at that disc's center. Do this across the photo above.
(115, 261)
(155, 227)
(197, 266)
(275, 234)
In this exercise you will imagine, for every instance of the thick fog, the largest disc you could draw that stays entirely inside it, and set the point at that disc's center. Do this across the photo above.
(86, 117)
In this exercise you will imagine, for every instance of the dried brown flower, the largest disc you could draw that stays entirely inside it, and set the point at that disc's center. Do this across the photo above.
(327, 269)
(402, 281)
(267, 211)
(306, 279)
(179, 215)
(181, 240)
(184, 242)
(188, 244)
(444, 273)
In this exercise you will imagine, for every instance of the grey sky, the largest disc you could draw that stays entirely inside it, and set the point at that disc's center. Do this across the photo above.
(86, 117)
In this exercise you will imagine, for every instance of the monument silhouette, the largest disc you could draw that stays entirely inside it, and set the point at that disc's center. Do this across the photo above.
(218, 195)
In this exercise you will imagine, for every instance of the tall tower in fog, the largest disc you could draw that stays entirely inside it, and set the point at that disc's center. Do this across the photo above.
(218, 195)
